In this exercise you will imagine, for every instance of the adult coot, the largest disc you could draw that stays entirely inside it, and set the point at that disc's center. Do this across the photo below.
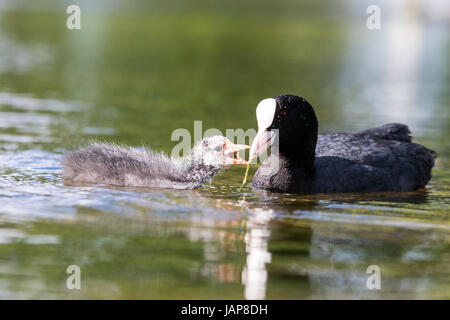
(378, 159)
(101, 163)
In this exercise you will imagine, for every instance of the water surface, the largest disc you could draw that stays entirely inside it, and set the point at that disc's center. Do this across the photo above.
(135, 72)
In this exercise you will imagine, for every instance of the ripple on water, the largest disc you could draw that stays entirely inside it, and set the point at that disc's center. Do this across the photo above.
(27, 102)
(27, 120)
(16, 57)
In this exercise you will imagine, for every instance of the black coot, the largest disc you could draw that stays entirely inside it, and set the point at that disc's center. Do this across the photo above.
(101, 163)
(378, 159)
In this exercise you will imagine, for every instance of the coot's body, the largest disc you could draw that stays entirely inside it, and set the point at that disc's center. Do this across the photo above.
(379, 159)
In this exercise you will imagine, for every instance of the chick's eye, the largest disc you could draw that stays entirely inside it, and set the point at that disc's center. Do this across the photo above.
(218, 148)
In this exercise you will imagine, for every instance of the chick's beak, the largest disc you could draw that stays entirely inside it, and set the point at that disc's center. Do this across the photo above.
(231, 153)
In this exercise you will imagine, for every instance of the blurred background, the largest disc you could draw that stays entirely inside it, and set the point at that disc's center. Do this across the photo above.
(137, 70)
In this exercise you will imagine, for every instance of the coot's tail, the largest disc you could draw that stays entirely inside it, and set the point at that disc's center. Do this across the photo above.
(396, 132)
(419, 157)
(390, 131)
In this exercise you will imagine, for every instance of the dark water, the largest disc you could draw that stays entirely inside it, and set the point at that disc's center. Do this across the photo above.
(136, 72)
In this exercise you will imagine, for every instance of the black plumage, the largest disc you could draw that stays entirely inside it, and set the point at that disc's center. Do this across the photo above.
(378, 159)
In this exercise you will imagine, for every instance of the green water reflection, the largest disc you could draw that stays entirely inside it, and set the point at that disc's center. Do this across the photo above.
(135, 72)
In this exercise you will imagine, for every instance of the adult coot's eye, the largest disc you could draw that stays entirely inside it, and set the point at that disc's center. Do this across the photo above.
(218, 148)
(283, 114)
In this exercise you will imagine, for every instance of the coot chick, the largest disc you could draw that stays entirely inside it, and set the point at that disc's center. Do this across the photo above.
(378, 159)
(101, 163)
